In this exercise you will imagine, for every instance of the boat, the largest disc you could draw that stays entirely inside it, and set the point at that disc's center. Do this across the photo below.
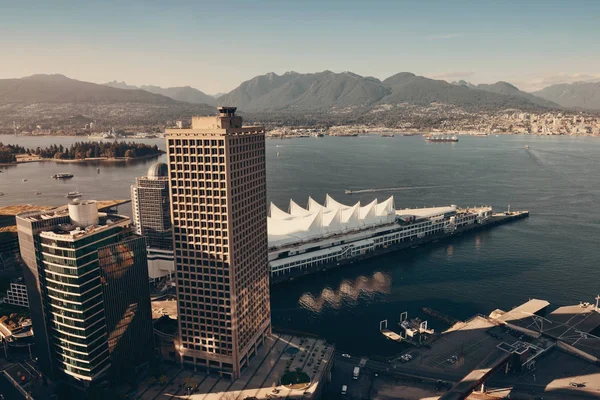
(526, 147)
(441, 138)
(320, 135)
(24, 180)
(63, 176)
(348, 191)
(38, 193)
(73, 195)
(388, 135)
(98, 170)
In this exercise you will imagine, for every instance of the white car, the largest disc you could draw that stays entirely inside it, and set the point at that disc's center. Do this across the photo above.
(346, 355)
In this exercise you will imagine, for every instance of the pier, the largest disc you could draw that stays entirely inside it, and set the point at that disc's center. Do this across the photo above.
(494, 220)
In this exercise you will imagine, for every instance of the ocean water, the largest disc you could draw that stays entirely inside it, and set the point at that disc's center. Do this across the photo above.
(552, 255)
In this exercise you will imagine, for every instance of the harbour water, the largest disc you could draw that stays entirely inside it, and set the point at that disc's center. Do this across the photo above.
(551, 255)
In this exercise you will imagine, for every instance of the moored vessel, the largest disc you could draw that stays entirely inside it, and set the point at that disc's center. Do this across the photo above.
(73, 195)
(441, 138)
(63, 176)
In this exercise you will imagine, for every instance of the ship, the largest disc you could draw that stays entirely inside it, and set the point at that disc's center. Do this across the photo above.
(63, 176)
(331, 235)
(441, 138)
(73, 195)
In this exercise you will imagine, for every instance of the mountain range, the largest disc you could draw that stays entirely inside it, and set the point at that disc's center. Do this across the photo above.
(301, 92)
(184, 93)
(58, 101)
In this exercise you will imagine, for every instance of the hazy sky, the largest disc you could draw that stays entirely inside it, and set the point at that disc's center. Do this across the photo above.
(216, 45)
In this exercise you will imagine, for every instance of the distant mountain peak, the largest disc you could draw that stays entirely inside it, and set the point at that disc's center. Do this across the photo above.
(182, 93)
(56, 77)
(576, 95)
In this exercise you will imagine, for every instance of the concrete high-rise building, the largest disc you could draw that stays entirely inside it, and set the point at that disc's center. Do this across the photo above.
(150, 201)
(218, 197)
(87, 283)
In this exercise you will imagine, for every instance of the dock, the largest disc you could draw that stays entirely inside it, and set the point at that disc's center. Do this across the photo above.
(440, 316)
(391, 335)
(414, 331)
(495, 220)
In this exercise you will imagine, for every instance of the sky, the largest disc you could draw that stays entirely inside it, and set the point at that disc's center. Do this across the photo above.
(216, 45)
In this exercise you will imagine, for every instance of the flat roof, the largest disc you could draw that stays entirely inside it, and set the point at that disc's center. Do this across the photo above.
(426, 212)
(523, 312)
(569, 320)
(71, 232)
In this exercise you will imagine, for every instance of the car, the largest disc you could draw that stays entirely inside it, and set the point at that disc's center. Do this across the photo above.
(577, 384)
(344, 389)
(346, 355)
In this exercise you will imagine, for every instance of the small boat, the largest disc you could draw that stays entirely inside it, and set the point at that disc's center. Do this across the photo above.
(441, 138)
(347, 191)
(24, 180)
(98, 170)
(38, 193)
(1, 194)
(387, 135)
(63, 176)
(277, 154)
(526, 147)
(73, 195)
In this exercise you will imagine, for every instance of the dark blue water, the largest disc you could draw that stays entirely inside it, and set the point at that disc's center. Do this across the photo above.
(552, 255)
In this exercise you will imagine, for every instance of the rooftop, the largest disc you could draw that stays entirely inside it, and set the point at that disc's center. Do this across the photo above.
(259, 379)
(71, 232)
(318, 221)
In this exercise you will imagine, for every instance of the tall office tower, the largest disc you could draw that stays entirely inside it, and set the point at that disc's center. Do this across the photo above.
(87, 282)
(218, 192)
(151, 208)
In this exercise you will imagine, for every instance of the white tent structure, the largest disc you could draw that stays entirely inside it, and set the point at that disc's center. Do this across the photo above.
(319, 221)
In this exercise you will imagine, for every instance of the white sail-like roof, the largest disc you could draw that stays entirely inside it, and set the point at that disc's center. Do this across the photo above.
(297, 211)
(317, 221)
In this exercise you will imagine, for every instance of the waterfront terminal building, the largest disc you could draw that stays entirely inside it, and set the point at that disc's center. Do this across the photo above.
(150, 200)
(87, 283)
(304, 240)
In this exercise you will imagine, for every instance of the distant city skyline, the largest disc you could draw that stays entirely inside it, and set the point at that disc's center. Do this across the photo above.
(531, 45)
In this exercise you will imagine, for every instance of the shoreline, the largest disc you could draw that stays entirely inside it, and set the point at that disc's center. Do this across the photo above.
(111, 159)
(82, 160)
